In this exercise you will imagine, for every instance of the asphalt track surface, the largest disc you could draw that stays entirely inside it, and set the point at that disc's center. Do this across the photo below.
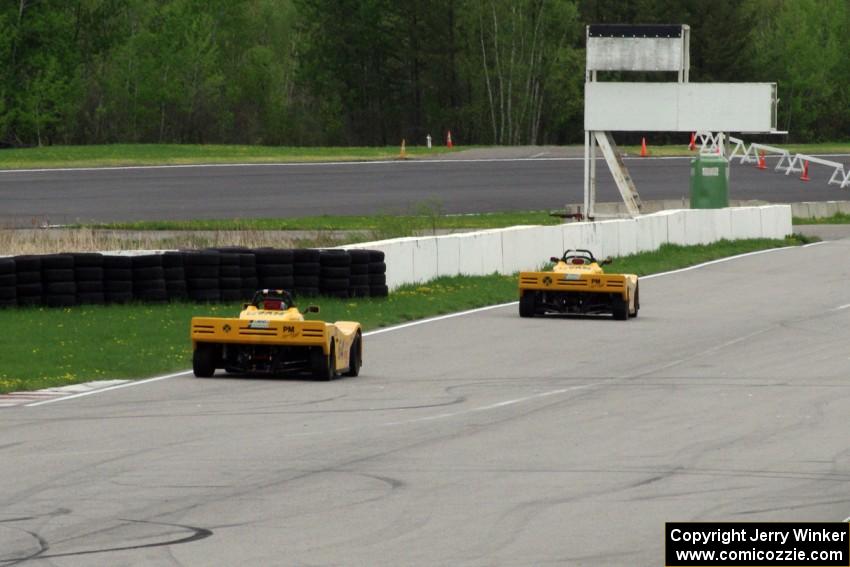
(481, 439)
(293, 190)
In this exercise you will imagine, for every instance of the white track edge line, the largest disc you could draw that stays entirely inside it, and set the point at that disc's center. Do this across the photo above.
(424, 321)
(116, 387)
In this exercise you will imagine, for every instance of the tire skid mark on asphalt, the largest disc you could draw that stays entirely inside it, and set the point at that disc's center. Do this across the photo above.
(426, 321)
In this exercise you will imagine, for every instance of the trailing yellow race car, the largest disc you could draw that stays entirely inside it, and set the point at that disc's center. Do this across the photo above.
(270, 336)
(578, 284)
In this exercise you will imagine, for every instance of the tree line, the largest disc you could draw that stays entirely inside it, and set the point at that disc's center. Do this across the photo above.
(371, 72)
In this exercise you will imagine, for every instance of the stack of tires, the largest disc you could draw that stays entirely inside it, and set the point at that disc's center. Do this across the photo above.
(202, 275)
(377, 274)
(275, 268)
(28, 280)
(8, 283)
(248, 274)
(230, 276)
(88, 275)
(118, 279)
(175, 276)
(149, 278)
(307, 270)
(359, 283)
(60, 287)
(335, 274)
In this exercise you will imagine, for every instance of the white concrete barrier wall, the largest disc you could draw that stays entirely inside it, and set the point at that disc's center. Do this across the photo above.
(509, 250)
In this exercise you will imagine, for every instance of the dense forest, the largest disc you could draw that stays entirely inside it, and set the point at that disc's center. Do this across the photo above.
(371, 72)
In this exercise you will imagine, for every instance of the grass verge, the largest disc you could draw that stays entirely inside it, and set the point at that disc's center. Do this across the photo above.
(837, 218)
(426, 218)
(682, 149)
(186, 154)
(56, 347)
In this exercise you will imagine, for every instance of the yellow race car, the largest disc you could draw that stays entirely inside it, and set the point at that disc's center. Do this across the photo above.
(578, 285)
(271, 336)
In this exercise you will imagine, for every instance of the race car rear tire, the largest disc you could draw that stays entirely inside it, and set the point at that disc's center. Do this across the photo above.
(620, 309)
(355, 360)
(637, 301)
(203, 360)
(528, 304)
(324, 367)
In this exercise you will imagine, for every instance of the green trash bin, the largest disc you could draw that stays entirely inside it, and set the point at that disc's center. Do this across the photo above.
(709, 182)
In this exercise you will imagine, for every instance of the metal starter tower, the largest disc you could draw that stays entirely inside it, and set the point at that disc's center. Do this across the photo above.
(678, 106)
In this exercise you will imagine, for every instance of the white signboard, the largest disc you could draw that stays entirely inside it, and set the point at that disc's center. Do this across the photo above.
(680, 107)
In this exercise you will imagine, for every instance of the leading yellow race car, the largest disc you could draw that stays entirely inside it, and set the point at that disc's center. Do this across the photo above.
(578, 284)
(270, 336)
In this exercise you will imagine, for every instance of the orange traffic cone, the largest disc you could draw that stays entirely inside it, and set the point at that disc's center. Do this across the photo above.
(762, 163)
(693, 145)
(643, 152)
(449, 140)
(805, 176)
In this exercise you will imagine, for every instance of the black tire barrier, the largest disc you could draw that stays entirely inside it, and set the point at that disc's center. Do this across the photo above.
(274, 256)
(93, 286)
(30, 290)
(202, 274)
(88, 260)
(359, 269)
(377, 268)
(58, 275)
(59, 286)
(307, 291)
(149, 278)
(7, 266)
(335, 258)
(91, 298)
(225, 274)
(89, 275)
(27, 263)
(174, 274)
(28, 277)
(146, 261)
(28, 286)
(285, 282)
(334, 272)
(306, 281)
(359, 291)
(250, 286)
(307, 268)
(274, 270)
(117, 275)
(334, 284)
(172, 260)
(57, 262)
(378, 291)
(306, 255)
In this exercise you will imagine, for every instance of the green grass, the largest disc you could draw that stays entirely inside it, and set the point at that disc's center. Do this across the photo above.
(682, 149)
(54, 347)
(183, 154)
(837, 218)
(428, 219)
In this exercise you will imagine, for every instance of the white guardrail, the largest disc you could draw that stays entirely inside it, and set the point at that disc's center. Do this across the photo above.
(509, 250)
(787, 163)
